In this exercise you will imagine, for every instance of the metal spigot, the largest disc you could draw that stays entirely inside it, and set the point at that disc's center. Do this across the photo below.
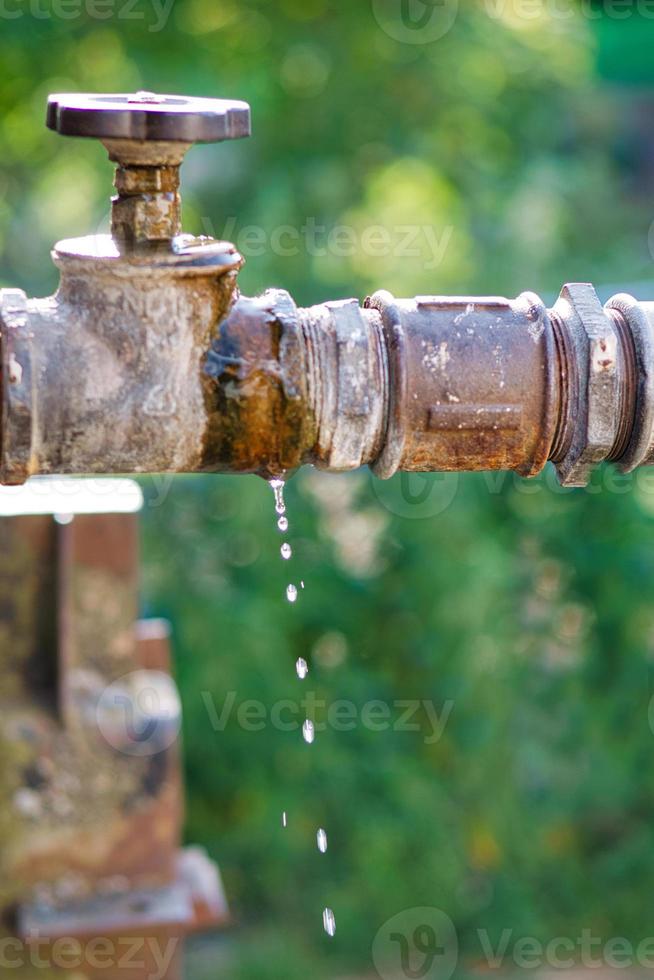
(147, 136)
(148, 360)
(124, 335)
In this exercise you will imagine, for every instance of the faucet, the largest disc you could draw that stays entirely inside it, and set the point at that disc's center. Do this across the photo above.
(148, 359)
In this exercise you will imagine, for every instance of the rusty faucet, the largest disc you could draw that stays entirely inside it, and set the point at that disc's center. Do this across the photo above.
(148, 359)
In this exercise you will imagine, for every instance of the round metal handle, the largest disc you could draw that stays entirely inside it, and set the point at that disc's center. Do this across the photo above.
(147, 136)
(145, 116)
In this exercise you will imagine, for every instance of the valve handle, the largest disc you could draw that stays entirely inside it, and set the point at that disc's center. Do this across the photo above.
(147, 116)
(147, 136)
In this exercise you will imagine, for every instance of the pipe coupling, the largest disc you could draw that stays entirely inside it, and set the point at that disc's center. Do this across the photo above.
(435, 383)
(154, 363)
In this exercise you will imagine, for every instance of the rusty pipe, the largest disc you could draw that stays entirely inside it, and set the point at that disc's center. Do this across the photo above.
(152, 365)
(147, 359)
(435, 384)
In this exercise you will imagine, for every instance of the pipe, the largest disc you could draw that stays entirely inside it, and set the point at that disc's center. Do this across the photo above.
(147, 359)
(139, 364)
(435, 383)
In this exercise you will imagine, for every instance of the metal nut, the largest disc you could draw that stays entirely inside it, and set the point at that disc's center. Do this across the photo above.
(592, 377)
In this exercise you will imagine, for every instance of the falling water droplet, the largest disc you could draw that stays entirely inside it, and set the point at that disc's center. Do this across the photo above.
(308, 732)
(321, 840)
(329, 922)
(282, 524)
(291, 593)
(284, 819)
(278, 490)
(286, 551)
(302, 668)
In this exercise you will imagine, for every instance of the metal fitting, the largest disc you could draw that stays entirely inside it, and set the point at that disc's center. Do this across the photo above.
(147, 136)
(635, 323)
(436, 383)
(592, 374)
(148, 360)
(105, 377)
(424, 384)
(472, 383)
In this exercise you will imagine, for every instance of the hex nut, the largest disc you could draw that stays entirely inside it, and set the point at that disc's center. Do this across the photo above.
(593, 381)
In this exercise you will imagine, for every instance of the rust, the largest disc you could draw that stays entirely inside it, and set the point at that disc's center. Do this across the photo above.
(149, 360)
(91, 831)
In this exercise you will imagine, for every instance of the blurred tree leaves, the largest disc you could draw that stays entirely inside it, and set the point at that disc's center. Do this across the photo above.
(527, 608)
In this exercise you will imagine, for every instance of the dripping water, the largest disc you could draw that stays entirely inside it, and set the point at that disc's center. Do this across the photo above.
(329, 922)
(302, 670)
(308, 731)
(278, 490)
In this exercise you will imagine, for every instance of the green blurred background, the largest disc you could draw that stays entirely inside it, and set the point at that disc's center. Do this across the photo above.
(522, 610)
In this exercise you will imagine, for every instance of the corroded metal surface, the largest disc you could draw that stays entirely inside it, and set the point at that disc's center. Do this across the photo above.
(594, 369)
(147, 136)
(168, 369)
(148, 360)
(88, 813)
(135, 936)
(123, 339)
(432, 383)
(473, 384)
(91, 800)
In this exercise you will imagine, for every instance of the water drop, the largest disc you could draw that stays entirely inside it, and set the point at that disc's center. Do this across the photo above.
(278, 490)
(308, 732)
(286, 551)
(321, 840)
(302, 668)
(284, 819)
(329, 922)
(291, 593)
(282, 524)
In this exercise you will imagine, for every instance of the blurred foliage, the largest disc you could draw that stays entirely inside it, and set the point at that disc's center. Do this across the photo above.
(524, 608)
